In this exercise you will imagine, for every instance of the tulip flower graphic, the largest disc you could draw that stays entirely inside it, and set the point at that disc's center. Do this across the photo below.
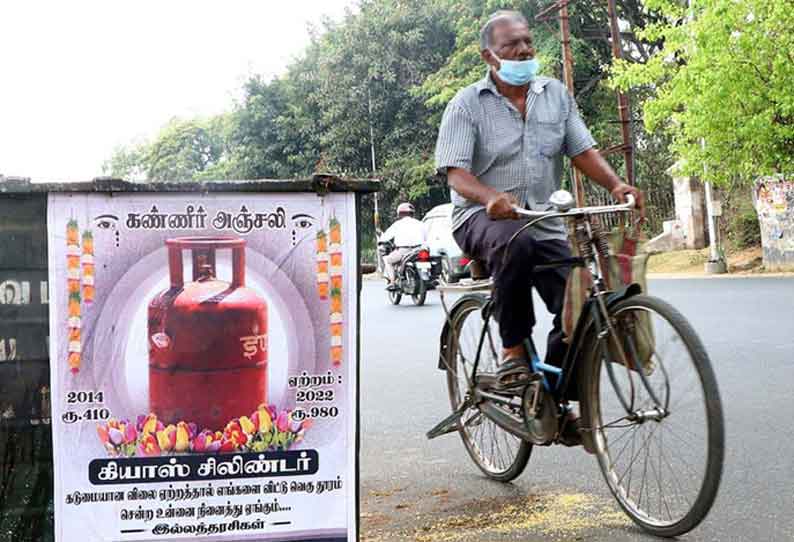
(232, 426)
(182, 437)
(130, 434)
(116, 436)
(294, 425)
(282, 422)
(199, 444)
(150, 425)
(233, 434)
(247, 425)
(264, 419)
(215, 445)
(102, 432)
(228, 445)
(148, 446)
(265, 429)
(166, 438)
(206, 442)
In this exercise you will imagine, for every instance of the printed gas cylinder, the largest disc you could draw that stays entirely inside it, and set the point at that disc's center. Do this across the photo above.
(208, 339)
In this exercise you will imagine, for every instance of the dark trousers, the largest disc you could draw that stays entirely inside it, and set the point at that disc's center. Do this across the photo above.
(514, 277)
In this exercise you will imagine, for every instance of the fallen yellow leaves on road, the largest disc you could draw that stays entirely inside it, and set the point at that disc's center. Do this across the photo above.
(563, 516)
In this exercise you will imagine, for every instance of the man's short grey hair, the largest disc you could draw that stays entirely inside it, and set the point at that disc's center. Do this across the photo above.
(501, 16)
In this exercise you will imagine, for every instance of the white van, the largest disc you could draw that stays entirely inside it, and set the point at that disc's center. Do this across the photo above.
(438, 222)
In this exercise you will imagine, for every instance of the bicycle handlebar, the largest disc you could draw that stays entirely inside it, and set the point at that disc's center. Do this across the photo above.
(579, 211)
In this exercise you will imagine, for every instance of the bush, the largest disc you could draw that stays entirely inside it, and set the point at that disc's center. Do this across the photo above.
(740, 220)
(744, 230)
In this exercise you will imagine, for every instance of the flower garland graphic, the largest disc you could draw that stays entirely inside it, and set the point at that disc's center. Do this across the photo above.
(322, 265)
(88, 266)
(80, 273)
(265, 430)
(74, 300)
(336, 318)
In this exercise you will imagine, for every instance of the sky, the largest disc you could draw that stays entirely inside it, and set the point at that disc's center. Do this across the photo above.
(79, 78)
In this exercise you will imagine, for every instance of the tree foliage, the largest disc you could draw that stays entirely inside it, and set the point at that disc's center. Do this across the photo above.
(181, 151)
(382, 75)
(723, 78)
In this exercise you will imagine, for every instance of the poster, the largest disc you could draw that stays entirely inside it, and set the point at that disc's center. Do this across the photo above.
(203, 366)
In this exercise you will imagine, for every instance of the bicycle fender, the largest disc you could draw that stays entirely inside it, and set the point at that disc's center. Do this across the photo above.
(453, 312)
(623, 293)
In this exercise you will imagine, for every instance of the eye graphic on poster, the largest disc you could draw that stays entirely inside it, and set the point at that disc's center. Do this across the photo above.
(108, 224)
(301, 226)
(206, 356)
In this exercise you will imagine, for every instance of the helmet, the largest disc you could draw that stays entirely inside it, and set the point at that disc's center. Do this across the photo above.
(405, 209)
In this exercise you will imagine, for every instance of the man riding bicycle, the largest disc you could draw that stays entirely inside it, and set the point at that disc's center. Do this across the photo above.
(501, 144)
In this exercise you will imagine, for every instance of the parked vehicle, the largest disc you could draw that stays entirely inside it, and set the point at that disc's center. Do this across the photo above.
(413, 274)
(442, 245)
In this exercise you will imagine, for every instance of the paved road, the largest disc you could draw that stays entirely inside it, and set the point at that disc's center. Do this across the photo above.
(413, 489)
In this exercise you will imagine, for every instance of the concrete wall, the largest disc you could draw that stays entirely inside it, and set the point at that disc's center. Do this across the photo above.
(774, 202)
(690, 211)
(689, 230)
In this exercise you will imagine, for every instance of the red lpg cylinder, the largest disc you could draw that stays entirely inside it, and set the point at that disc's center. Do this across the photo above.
(207, 340)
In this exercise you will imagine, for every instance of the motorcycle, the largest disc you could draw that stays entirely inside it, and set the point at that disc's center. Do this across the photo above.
(414, 274)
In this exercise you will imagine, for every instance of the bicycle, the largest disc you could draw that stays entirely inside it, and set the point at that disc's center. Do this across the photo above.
(629, 379)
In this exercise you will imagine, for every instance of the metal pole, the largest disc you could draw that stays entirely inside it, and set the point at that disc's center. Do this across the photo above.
(372, 152)
(716, 265)
(567, 75)
(624, 108)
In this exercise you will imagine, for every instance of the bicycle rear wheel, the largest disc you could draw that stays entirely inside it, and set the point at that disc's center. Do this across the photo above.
(498, 454)
(664, 469)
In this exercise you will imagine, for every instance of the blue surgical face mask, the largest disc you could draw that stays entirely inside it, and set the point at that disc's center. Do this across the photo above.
(517, 72)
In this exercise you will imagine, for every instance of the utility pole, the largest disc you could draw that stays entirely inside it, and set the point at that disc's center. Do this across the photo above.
(567, 75)
(624, 108)
(376, 213)
(372, 152)
(716, 264)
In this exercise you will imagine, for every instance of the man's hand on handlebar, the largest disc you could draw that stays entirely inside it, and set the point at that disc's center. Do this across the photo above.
(500, 207)
(620, 191)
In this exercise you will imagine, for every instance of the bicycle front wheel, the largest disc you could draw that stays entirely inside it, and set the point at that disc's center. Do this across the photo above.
(664, 463)
(500, 455)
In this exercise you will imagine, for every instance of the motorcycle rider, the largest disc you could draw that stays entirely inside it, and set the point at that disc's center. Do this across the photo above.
(405, 233)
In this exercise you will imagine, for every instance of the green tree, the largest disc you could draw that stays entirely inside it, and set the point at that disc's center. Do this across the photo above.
(260, 138)
(724, 77)
(181, 151)
(372, 61)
